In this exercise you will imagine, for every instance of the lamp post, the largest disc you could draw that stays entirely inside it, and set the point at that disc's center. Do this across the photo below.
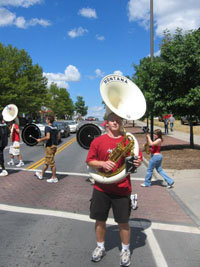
(152, 54)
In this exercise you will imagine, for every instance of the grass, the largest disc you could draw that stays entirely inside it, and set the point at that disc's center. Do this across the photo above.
(179, 127)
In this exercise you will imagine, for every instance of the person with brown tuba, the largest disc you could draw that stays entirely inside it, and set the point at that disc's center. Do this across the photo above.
(115, 194)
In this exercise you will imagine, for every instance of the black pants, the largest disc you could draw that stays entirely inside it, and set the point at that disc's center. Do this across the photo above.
(2, 157)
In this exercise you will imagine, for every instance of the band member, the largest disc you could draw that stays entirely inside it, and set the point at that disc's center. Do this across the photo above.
(4, 134)
(51, 138)
(15, 147)
(116, 195)
(156, 160)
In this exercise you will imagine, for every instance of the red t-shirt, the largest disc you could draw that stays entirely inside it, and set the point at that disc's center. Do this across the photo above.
(100, 149)
(15, 134)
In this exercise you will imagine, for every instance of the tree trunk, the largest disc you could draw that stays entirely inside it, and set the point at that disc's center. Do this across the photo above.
(152, 123)
(191, 134)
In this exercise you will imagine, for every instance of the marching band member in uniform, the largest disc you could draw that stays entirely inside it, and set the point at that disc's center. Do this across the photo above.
(15, 147)
(115, 195)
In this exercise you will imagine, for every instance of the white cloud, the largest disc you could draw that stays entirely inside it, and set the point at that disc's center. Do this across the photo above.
(77, 32)
(118, 72)
(88, 13)
(100, 37)
(22, 3)
(71, 74)
(6, 17)
(167, 14)
(99, 73)
(20, 22)
(35, 21)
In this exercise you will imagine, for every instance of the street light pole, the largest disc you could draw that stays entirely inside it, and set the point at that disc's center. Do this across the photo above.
(152, 55)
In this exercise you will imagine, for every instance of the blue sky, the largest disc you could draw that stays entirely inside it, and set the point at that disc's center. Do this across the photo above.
(79, 42)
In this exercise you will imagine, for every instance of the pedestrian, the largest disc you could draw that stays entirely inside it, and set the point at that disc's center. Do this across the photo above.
(171, 121)
(166, 122)
(15, 147)
(4, 134)
(115, 195)
(156, 160)
(51, 138)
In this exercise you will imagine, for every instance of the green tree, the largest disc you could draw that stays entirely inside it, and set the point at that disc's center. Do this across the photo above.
(147, 77)
(181, 54)
(80, 106)
(60, 103)
(21, 82)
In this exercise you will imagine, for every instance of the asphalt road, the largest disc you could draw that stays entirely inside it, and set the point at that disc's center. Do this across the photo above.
(48, 224)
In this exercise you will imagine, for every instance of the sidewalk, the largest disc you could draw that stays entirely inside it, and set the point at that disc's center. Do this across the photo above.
(185, 191)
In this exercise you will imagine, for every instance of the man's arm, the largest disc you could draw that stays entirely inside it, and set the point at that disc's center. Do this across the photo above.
(106, 165)
(45, 138)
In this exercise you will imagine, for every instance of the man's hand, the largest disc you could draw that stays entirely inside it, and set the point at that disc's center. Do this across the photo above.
(39, 140)
(137, 162)
(108, 165)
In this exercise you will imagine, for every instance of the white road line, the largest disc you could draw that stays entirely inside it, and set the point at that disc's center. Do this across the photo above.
(155, 249)
(81, 217)
(175, 228)
(61, 173)
(137, 179)
(68, 173)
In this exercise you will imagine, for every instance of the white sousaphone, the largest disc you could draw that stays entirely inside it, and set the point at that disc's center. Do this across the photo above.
(125, 99)
(10, 112)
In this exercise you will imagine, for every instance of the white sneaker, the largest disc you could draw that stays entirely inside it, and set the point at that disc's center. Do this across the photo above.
(133, 198)
(4, 173)
(20, 164)
(52, 180)
(125, 258)
(38, 175)
(144, 185)
(98, 254)
(11, 162)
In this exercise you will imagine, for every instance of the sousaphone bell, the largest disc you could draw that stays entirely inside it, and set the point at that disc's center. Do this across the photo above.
(10, 112)
(126, 100)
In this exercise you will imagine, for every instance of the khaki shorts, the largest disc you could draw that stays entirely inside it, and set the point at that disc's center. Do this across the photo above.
(50, 152)
(15, 149)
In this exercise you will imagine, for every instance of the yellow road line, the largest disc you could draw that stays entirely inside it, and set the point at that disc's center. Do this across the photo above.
(38, 163)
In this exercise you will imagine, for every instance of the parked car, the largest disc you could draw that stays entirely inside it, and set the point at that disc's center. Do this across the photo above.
(185, 119)
(72, 126)
(63, 127)
(90, 118)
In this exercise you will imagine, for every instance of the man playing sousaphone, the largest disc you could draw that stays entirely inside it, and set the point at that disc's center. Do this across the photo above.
(115, 195)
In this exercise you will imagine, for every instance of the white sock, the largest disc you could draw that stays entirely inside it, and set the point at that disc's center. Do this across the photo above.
(125, 247)
(100, 244)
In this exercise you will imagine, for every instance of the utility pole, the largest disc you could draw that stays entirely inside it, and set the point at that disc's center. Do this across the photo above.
(152, 55)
